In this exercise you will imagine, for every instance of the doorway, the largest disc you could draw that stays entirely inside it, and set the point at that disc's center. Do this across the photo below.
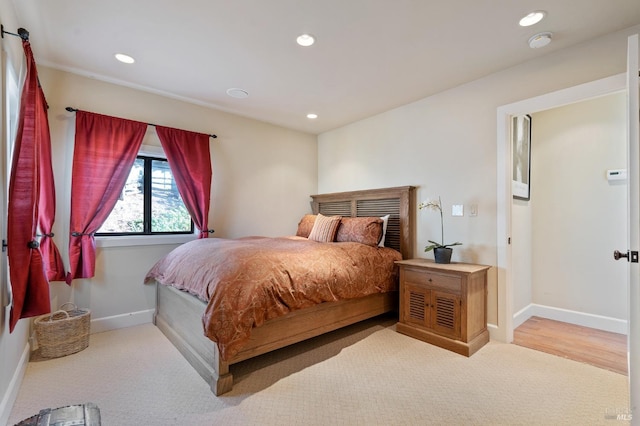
(504, 329)
(506, 291)
(564, 235)
(598, 348)
(567, 287)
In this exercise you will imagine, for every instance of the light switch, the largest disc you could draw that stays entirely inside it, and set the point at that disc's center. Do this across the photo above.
(457, 210)
(473, 210)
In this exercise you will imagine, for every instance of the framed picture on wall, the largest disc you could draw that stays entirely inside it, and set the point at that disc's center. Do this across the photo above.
(521, 151)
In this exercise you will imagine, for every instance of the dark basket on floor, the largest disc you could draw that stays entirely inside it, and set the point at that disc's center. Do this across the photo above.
(63, 332)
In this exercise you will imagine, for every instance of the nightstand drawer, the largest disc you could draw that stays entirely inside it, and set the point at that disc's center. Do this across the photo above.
(444, 304)
(449, 283)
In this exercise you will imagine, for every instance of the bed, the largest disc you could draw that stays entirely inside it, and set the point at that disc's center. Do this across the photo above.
(179, 314)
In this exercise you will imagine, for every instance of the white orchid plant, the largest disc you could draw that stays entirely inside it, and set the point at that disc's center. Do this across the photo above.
(436, 205)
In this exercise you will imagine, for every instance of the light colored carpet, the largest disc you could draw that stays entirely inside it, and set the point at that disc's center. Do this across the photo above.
(367, 374)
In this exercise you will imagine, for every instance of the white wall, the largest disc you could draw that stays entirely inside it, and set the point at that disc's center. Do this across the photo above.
(578, 217)
(263, 174)
(446, 144)
(521, 261)
(262, 178)
(13, 346)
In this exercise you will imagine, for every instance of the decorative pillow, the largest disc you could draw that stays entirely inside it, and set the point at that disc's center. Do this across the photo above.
(324, 228)
(306, 225)
(365, 230)
(385, 220)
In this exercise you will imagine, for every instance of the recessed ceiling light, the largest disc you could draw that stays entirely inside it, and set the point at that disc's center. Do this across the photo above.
(237, 93)
(532, 18)
(124, 58)
(540, 40)
(305, 40)
(312, 116)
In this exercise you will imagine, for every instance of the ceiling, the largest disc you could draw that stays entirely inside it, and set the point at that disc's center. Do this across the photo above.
(370, 55)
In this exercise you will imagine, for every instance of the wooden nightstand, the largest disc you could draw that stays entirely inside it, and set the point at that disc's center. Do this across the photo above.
(444, 304)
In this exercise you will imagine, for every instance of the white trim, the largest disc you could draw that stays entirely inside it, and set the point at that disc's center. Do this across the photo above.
(503, 247)
(11, 393)
(144, 240)
(598, 322)
(522, 315)
(121, 321)
(97, 326)
(493, 331)
(633, 212)
(143, 88)
(152, 151)
(567, 96)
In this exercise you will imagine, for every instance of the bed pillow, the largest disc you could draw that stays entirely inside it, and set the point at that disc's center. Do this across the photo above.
(324, 228)
(385, 221)
(306, 225)
(364, 230)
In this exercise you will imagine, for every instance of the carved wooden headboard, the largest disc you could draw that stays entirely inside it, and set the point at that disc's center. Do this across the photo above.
(398, 202)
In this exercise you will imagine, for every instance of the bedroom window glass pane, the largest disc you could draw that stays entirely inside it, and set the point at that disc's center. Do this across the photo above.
(150, 203)
(168, 213)
(128, 214)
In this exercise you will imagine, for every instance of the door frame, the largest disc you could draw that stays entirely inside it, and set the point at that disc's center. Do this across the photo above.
(633, 215)
(503, 330)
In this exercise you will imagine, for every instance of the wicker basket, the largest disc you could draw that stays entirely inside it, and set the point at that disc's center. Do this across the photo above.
(63, 332)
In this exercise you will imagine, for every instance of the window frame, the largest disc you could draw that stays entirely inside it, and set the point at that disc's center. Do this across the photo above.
(141, 239)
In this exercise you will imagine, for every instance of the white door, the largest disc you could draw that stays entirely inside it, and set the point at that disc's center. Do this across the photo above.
(4, 283)
(633, 242)
(5, 290)
(8, 123)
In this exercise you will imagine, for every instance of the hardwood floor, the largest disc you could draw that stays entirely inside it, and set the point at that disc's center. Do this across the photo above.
(596, 347)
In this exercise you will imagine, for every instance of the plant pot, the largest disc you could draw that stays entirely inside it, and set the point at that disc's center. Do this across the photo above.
(442, 254)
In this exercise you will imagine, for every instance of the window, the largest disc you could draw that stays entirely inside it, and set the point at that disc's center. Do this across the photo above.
(149, 204)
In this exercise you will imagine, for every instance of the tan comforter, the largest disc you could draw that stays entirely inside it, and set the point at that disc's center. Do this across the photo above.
(250, 280)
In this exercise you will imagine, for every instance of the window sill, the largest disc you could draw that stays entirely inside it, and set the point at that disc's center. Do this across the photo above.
(146, 240)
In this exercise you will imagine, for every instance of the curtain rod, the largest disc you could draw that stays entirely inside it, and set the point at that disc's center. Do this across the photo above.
(22, 33)
(72, 109)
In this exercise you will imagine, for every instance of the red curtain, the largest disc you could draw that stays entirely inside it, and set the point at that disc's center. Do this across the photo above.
(105, 150)
(31, 200)
(53, 265)
(190, 162)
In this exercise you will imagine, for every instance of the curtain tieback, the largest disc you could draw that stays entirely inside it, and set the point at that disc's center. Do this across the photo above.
(50, 235)
(80, 234)
(207, 231)
(33, 244)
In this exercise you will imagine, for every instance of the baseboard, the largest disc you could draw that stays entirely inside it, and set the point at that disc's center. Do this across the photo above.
(97, 326)
(11, 393)
(493, 331)
(522, 315)
(115, 322)
(598, 322)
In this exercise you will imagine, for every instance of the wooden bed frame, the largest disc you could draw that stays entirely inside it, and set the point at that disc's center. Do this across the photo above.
(179, 314)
